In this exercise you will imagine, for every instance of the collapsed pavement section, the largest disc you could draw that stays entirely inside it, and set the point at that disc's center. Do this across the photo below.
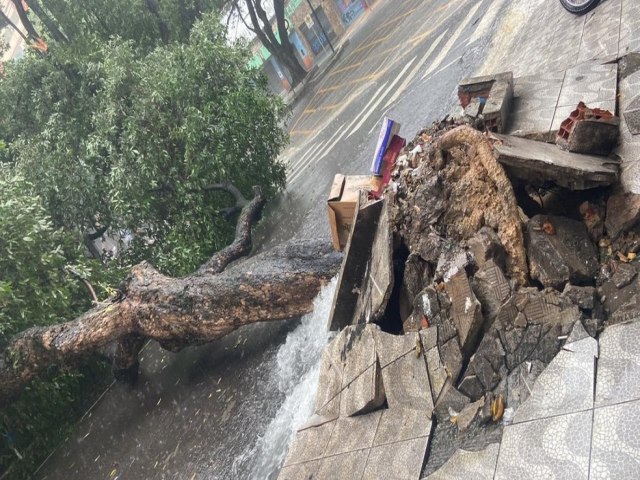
(473, 297)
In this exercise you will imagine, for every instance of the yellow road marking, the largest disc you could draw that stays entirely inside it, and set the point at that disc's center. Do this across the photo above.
(357, 80)
(344, 69)
(371, 44)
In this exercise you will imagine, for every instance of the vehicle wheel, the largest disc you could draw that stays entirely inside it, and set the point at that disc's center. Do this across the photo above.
(579, 6)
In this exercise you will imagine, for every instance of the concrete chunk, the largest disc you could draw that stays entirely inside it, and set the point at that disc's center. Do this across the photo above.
(538, 162)
(560, 251)
(406, 383)
(365, 394)
(467, 312)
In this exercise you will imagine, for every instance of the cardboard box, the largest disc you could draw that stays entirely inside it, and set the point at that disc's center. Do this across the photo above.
(342, 205)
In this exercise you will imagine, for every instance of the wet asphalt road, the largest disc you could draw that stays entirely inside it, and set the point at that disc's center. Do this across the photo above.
(195, 412)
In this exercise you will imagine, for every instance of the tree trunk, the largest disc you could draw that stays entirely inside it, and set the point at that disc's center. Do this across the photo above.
(48, 21)
(14, 26)
(26, 23)
(205, 306)
(283, 50)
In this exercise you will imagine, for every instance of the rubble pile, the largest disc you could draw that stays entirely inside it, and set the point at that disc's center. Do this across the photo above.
(457, 289)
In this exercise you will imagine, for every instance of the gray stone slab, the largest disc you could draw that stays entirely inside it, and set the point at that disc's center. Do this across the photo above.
(601, 33)
(565, 386)
(406, 384)
(465, 465)
(590, 83)
(391, 347)
(586, 345)
(467, 311)
(398, 424)
(619, 364)
(615, 446)
(364, 394)
(535, 93)
(353, 433)
(556, 447)
(378, 281)
(533, 124)
(358, 352)
(310, 444)
(629, 149)
(437, 373)
(301, 471)
(347, 465)
(541, 162)
(400, 461)
(629, 28)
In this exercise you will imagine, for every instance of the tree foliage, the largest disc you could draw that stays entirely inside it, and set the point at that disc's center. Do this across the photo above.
(122, 124)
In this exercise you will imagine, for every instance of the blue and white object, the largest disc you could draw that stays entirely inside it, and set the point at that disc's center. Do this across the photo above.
(388, 130)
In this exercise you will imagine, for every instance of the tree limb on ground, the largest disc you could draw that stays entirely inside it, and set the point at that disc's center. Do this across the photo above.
(276, 285)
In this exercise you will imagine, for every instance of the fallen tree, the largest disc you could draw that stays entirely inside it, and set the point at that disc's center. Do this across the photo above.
(178, 312)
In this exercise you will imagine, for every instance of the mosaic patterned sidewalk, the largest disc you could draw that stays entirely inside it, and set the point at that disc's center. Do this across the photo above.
(580, 422)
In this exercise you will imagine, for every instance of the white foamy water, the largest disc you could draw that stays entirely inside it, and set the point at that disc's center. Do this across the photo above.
(296, 376)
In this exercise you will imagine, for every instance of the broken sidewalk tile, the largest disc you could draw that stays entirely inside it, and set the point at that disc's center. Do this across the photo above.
(521, 380)
(365, 394)
(378, 280)
(624, 274)
(485, 246)
(619, 363)
(539, 163)
(450, 398)
(623, 213)
(353, 433)
(467, 312)
(354, 263)
(437, 373)
(330, 377)
(309, 444)
(583, 297)
(578, 333)
(565, 386)
(468, 414)
(451, 357)
(391, 347)
(399, 424)
(358, 352)
(589, 130)
(406, 384)
(489, 96)
(491, 288)
(401, 462)
(556, 447)
(560, 251)
(466, 465)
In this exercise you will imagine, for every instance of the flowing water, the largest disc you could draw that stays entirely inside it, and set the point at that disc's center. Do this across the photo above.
(295, 376)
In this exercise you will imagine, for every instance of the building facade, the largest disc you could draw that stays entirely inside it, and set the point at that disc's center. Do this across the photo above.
(311, 32)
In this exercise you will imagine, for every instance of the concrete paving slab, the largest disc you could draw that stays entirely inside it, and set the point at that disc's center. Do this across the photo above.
(629, 149)
(538, 92)
(539, 161)
(619, 364)
(406, 383)
(347, 465)
(353, 433)
(399, 424)
(301, 471)
(359, 352)
(400, 461)
(364, 394)
(565, 386)
(590, 83)
(391, 347)
(630, 28)
(601, 31)
(465, 465)
(556, 447)
(615, 449)
(310, 444)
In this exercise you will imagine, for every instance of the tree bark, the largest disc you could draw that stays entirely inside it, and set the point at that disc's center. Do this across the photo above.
(26, 23)
(48, 21)
(205, 306)
(14, 26)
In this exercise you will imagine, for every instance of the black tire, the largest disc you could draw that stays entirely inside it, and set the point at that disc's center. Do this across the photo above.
(579, 6)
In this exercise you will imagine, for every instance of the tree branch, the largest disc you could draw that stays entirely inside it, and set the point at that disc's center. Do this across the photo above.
(14, 26)
(25, 20)
(276, 285)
